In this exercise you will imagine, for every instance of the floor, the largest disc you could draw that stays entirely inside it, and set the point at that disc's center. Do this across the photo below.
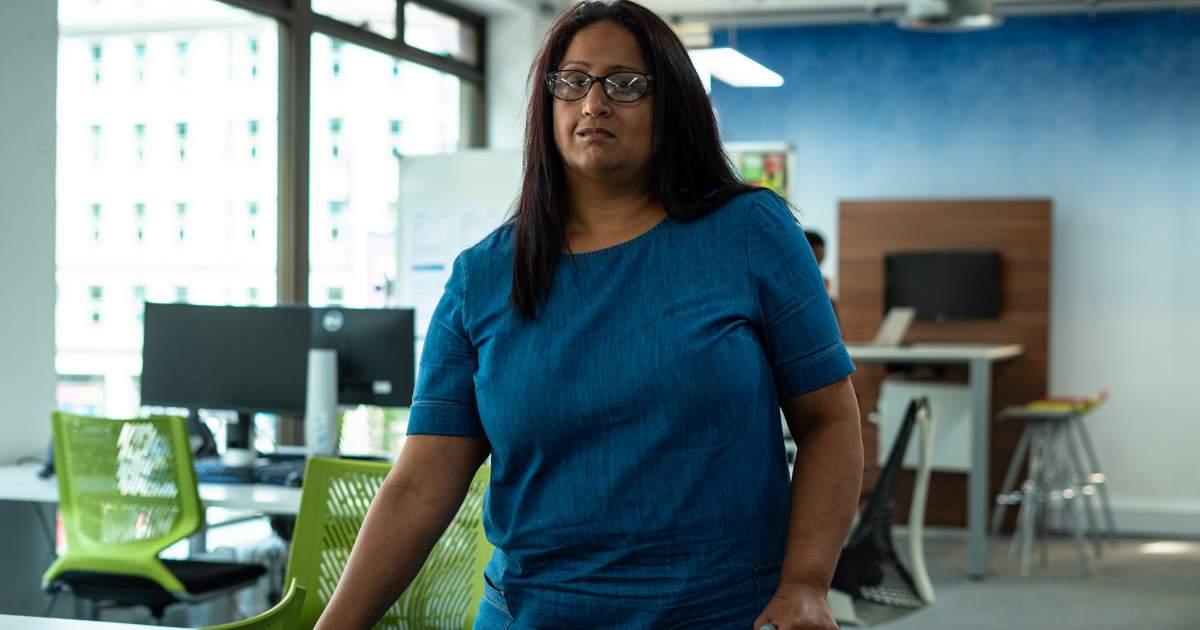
(1142, 584)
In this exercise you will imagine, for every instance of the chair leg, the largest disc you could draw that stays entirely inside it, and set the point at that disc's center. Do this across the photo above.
(1102, 485)
(1029, 502)
(1077, 535)
(1086, 489)
(1010, 479)
(1045, 482)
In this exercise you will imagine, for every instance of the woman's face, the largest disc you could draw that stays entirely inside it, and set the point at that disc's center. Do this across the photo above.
(597, 137)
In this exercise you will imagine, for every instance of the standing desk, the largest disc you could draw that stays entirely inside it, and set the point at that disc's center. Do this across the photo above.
(979, 359)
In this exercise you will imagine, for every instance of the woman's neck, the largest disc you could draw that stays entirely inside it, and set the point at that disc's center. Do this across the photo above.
(603, 211)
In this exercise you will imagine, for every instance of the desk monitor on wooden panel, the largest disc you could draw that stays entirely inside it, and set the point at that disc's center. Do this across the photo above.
(895, 325)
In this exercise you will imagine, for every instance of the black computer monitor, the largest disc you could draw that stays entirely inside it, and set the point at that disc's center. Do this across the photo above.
(945, 285)
(375, 353)
(244, 359)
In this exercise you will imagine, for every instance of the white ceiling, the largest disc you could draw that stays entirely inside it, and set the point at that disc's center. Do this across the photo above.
(834, 11)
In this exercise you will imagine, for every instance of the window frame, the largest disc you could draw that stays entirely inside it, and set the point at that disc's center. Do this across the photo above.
(297, 24)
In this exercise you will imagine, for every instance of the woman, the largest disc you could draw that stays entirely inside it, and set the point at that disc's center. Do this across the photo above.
(621, 348)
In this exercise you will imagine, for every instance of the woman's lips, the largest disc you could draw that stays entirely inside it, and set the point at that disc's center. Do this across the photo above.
(594, 133)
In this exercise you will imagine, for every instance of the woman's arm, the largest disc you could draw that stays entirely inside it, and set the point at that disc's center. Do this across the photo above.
(413, 508)
(826, 480)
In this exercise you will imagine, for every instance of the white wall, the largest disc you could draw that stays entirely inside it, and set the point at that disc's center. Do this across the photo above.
(28, 54)
(1106, 123)
(515, 32)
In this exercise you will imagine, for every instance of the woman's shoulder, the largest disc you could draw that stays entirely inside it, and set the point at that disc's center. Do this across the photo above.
(740, 209)
(491, 255)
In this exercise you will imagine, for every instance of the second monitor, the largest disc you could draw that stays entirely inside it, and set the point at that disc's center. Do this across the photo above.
(375, 361)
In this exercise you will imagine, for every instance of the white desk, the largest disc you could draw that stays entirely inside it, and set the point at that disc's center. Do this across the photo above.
(15, 622)
(979, 359)
(20, 483)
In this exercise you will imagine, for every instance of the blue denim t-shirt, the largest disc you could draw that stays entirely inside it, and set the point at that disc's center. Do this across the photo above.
(638, 469)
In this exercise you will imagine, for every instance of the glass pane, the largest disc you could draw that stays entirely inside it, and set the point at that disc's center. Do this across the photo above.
(167, 170)
(377, 16)
(367, 111)
(440, 34)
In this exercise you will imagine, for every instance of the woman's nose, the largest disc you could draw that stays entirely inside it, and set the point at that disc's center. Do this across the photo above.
(595, 102)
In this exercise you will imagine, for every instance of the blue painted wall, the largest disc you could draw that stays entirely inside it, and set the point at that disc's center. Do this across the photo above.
(1101, 114)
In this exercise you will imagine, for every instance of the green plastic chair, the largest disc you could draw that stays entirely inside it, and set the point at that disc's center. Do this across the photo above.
(444, 595)
(281, 616)
(127, 490)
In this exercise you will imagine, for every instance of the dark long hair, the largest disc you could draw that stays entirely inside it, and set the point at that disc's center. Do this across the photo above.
(692, 176)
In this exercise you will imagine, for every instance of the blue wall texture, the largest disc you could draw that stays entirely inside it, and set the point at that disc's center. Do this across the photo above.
(1101, 113)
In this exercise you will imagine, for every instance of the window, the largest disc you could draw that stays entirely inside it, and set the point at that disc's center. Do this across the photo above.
(335, 219)
(181, 210)
(335, 132)
(139, 140)
(139, 305)
(97, 132)
(253, 45)
(335, 53)
(253, 129)
(97, 57)
(440, 33)
(181, 132)
(139, 214)
(96, 212)
(181, 49)
(353, 223)
(139, 55)
(252, 210)
(96, 293)
(394, 127)
(214, 51)
(377, 16)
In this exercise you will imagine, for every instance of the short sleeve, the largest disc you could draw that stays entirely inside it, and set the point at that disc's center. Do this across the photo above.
(802, 339)
(444, 398)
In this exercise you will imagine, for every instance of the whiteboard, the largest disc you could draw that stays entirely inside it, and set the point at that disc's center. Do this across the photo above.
(447, 203)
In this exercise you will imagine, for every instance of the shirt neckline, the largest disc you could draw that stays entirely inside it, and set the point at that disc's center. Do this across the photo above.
(623, 244)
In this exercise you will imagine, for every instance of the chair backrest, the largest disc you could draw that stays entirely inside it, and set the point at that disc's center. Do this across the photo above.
(869, 567)
(281, 616)
(876, 518)
(335, 498)
(127, 490)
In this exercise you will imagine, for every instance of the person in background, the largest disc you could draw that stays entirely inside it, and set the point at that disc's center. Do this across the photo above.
(817, 243)
(620, 348)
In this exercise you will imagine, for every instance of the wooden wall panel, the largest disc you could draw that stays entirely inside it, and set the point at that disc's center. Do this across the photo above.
(1020, 229)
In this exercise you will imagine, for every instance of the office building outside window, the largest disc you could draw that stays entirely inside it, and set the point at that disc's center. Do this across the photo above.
(357, 175)
(144, 158)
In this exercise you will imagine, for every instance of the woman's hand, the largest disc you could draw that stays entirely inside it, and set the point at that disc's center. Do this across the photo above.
(796, 607)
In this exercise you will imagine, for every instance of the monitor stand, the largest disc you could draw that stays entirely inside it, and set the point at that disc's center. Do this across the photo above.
(239, 441)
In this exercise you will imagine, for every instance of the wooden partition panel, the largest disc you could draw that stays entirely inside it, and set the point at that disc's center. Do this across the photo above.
(1020, 230)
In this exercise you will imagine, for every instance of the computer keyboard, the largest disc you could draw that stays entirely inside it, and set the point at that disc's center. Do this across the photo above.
(280, 472)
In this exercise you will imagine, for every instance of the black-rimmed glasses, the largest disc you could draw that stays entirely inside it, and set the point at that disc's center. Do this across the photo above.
(623, 87)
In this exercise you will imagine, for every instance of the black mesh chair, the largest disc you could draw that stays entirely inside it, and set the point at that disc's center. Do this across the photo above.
(869, 567)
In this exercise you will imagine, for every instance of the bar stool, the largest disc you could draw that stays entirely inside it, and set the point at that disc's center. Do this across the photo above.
(1057, 474)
